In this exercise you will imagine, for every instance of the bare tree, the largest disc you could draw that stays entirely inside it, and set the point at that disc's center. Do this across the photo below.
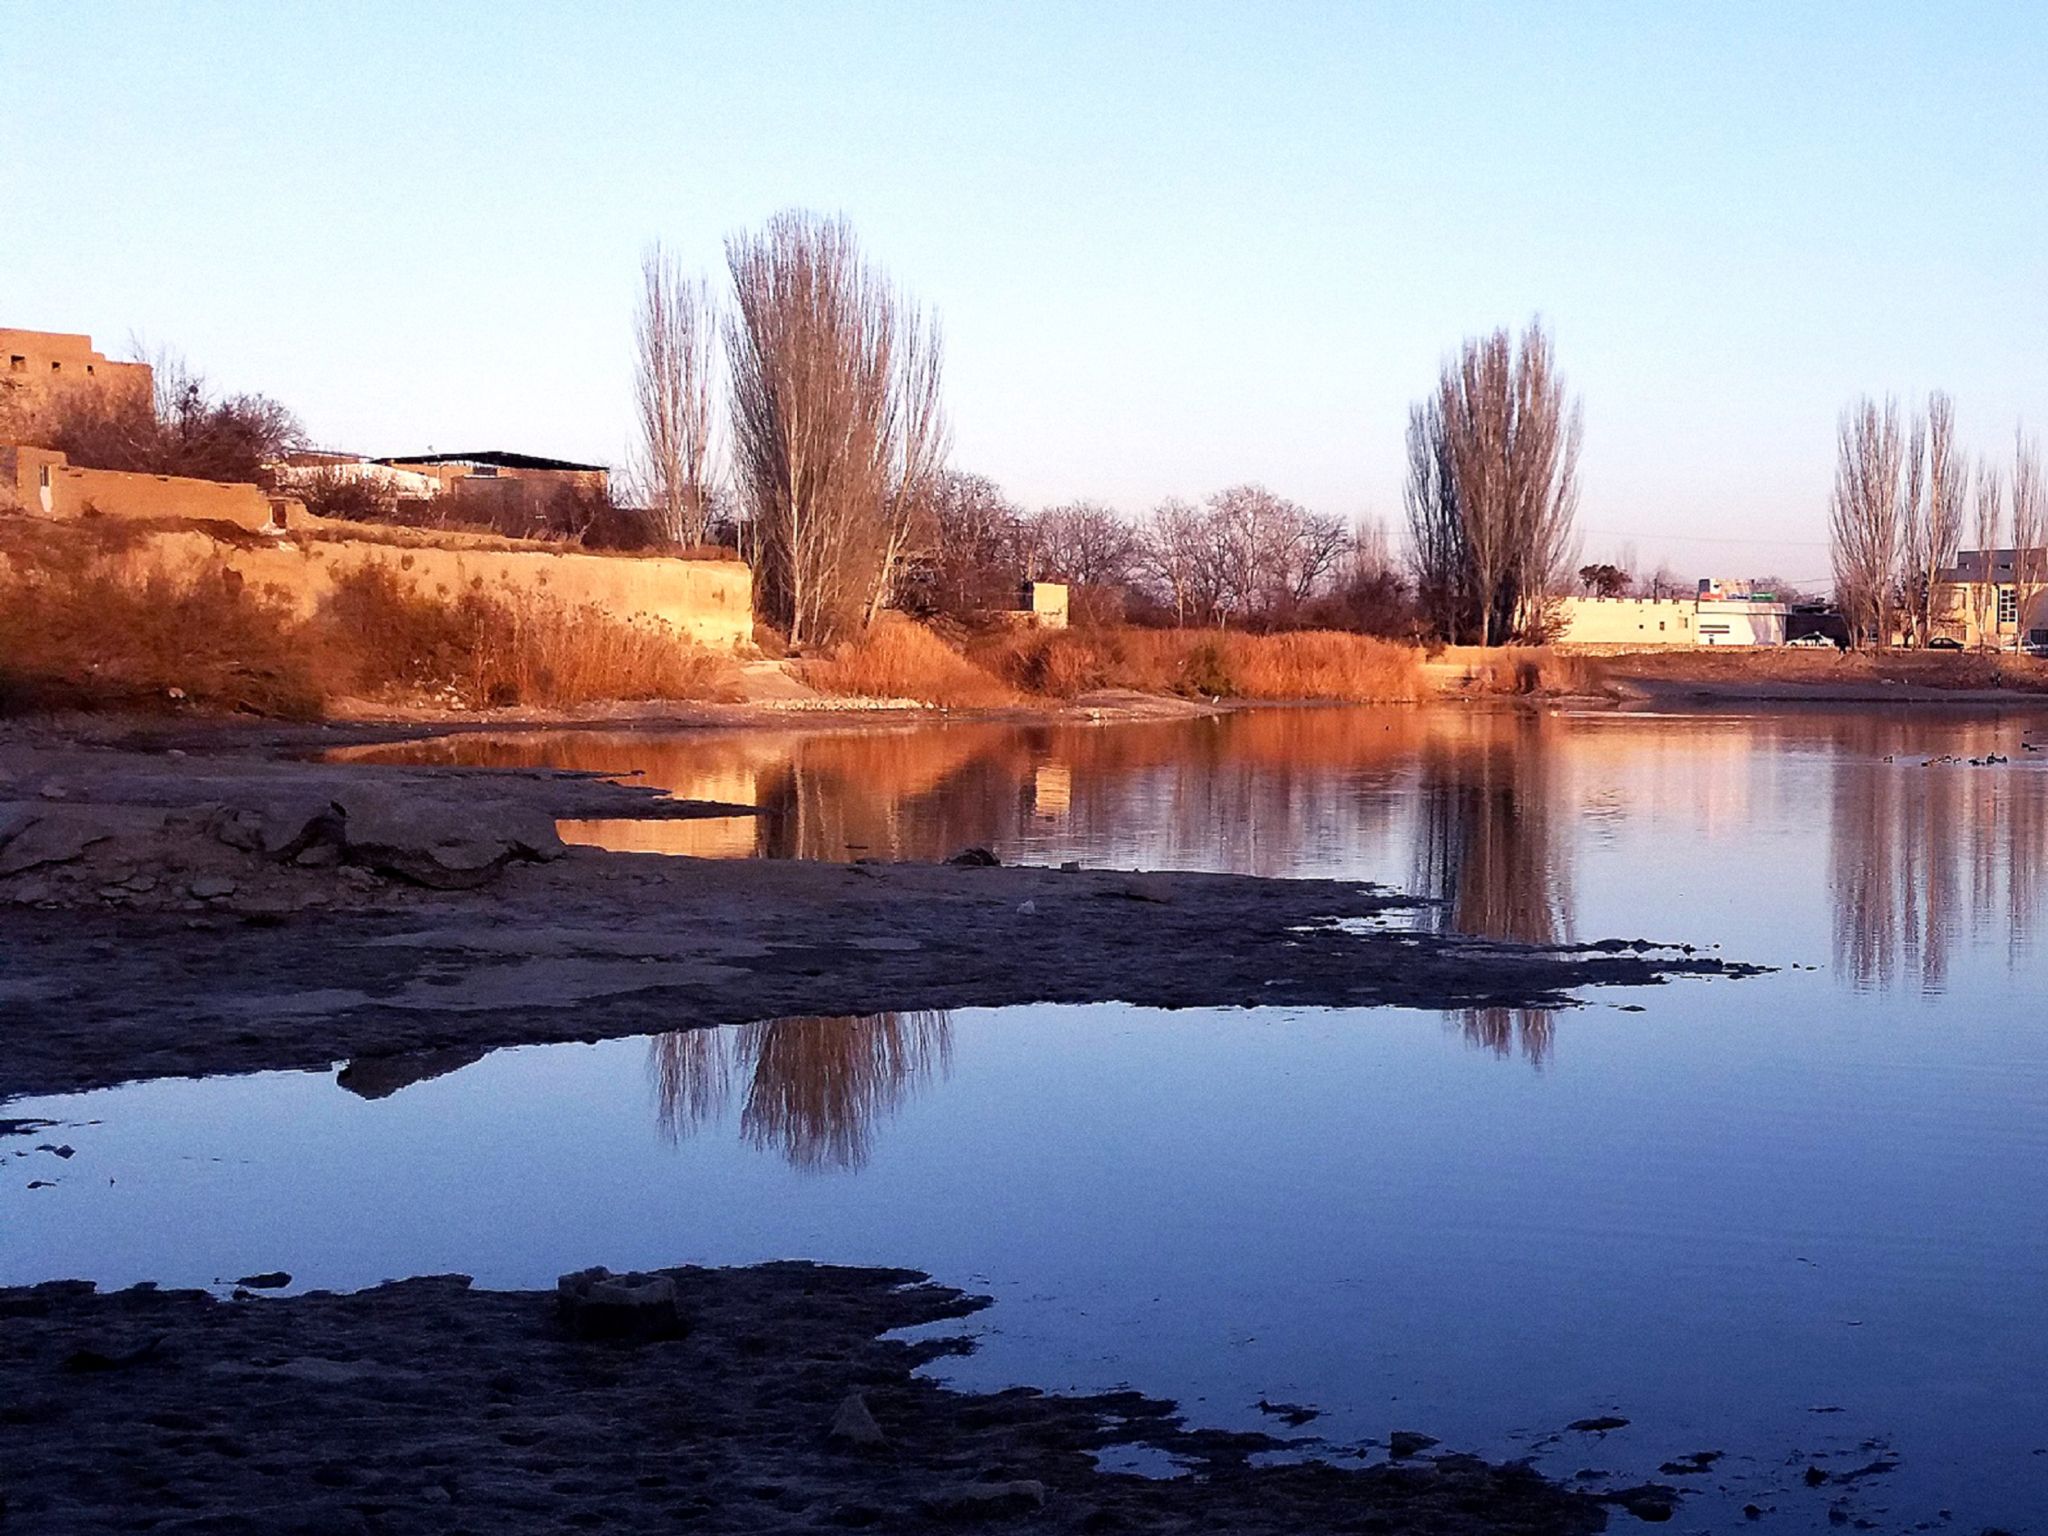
(1864, 517)
(1988, 529)
(674, 332)
(2029, 530)
(1171, 554)
(1500, 443)
(1436, 527)
(1082, 542)
(838, 432)
(967, 552)
(1932, 500)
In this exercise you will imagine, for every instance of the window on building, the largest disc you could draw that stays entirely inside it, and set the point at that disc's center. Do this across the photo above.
(56, 367)
(1660, 624)
(2008, 605)
(17, 363)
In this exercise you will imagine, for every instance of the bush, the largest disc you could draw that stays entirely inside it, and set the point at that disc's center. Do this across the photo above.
(1307, 665)
(80, 628)
(81, 633)
(484, 648)
(899, 658)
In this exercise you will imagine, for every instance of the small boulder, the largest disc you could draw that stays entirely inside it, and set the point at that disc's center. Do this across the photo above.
(855, 1425)
(211, 887)
(974, 858)
(627, 1309)
(1403, 1443)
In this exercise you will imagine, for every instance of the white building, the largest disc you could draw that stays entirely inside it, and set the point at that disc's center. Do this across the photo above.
(1719, 615)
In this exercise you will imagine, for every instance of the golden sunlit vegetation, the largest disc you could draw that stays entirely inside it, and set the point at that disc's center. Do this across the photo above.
(1218, 664)
(82, 628)
(897, 658)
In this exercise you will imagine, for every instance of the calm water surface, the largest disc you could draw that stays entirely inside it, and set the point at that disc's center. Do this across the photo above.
(1798, 1220)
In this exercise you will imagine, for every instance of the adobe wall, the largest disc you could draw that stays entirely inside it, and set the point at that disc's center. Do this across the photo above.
(44, 484)
(708, 601)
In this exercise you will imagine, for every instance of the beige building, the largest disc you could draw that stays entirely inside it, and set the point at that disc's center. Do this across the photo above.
(1997, 599)
(38, 366)
(483, 470)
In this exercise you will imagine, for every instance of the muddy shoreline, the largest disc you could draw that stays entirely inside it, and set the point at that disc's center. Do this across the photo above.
(425, 1405)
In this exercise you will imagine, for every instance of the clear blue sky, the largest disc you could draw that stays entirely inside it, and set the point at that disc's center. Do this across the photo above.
(1174, 246)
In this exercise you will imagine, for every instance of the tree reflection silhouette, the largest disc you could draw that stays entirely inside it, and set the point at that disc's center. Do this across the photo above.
(812, 1089)
(1488, 850)
(1910, 825)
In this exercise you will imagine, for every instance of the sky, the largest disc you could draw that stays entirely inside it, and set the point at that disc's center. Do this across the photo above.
(1174, 247)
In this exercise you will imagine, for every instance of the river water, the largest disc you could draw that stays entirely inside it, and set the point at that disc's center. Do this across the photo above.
(1797, 1220)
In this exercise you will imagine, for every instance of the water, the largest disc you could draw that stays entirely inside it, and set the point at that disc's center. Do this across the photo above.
(1796, 1219)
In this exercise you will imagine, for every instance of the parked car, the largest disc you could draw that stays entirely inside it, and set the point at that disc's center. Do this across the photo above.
(1813, 643)
(1944, 643)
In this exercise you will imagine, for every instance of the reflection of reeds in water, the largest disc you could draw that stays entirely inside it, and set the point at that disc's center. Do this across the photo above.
(1905, 837)
(1489, 850)
(813, 1087)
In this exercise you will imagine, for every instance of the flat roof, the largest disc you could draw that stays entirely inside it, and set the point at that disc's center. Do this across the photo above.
(498, 458)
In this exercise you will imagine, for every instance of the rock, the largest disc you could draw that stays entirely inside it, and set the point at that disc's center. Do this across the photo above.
(854, 1424)
(1598, 1426)
(1146, 888)
(50, 840)
(985, 1500)
(433, 843)
(1403, 1443)
(319, 856)
(1071, 867)
(269, 1280)
(1293, 1415)
(55, 789)
(240, 829)
(1815, 1476)
(629, 1309)
(974, 858)
(212, 887)
(1027, 907)
(1650, 1503)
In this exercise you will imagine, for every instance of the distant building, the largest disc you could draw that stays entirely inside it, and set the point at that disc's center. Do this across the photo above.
(38, 366)
(1718, 615)
(1996, 598)
(310, 466)
(453, 470)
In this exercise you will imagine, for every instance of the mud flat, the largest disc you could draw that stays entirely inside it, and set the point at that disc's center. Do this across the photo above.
(425, 1405)
(194, 915)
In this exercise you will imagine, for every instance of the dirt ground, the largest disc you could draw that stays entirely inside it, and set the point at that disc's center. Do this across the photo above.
(425, 1405)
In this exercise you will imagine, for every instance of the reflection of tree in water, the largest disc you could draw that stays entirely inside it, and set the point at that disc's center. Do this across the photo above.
(1488, 848)
(1923, 851)
(813, 1088)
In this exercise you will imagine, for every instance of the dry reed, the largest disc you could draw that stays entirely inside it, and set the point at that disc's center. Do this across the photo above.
(1305, 665)
(897, 658)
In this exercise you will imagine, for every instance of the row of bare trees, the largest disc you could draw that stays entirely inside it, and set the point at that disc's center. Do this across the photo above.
(1903, 493)
(1245, 557)
(830, 392)
(1492, 489)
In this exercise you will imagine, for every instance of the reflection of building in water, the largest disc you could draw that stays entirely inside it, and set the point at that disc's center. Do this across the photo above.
(1052, 790)
(813, 1088)
(1489, 850)
(1926, 850)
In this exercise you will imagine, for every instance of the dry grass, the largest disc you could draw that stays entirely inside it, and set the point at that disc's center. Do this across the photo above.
(900, 659)
(78, 633)
(81, 628)
(386, 638)
(1309, 665)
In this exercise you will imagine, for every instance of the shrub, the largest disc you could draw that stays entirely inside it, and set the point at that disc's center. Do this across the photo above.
(1307, 665)
(480, 647)
(81, 633)
(898, 658)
